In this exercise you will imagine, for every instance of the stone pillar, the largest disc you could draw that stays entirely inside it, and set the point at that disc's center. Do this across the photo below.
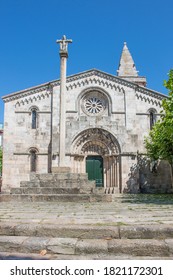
(62, 132)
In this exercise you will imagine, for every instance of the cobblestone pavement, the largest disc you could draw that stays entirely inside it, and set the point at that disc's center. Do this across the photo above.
(125, 210)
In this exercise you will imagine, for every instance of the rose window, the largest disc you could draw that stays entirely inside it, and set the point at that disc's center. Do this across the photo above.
(94, 105)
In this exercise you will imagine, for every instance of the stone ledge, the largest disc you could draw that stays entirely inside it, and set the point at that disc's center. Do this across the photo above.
(74, 246)
(56, 197)
(159, 232)
(146, 232)
(138, 247)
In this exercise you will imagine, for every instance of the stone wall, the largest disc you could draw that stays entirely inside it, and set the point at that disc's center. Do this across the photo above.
(149, 177)
(124, 117)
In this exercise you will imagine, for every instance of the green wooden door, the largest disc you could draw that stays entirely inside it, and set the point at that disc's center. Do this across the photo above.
(94, 168)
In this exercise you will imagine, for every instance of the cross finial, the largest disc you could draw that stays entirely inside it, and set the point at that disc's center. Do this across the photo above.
(64, 43)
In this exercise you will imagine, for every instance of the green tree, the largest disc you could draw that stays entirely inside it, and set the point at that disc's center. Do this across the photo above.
(159, 143)
(0, 161)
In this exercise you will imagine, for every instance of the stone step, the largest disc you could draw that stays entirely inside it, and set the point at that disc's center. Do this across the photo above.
(85, 184)
(44, 190)
(100, 256)
(58, 176)
(56, 197)
(160, 232)
(75, 246)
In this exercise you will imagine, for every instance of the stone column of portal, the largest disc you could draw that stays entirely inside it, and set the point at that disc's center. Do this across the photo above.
(63, 62)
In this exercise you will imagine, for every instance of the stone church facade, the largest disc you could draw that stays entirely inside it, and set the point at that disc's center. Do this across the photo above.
(107, 118)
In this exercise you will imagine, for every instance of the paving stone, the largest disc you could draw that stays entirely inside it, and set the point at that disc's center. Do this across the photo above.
(146, 232)
(11, 243)
(7, 229)
(62, 245)
(91, 246)
(23, 256)
(25, 229)
(138, 247)
(34, 244)
(76, 231)
(169, 243)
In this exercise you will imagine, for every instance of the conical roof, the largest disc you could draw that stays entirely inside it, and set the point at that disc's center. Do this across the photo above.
(127, 66)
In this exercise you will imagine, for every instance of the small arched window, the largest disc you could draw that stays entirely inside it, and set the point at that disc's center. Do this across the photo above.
(152, 116)
(33, 160)
(34, 117)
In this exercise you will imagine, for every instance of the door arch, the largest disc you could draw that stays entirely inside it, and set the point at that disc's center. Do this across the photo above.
(98, 143)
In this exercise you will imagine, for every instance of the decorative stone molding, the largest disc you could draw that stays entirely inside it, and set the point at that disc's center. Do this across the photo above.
(150, 98)
(92, 81)
(95, 140)
(98, 74)
(27, 92)
(95, 147)
(33, 99)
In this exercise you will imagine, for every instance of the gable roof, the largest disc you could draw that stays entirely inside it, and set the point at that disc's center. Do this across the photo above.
(76, 78)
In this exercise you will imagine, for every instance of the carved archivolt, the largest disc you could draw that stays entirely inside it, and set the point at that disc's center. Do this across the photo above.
(95, 141)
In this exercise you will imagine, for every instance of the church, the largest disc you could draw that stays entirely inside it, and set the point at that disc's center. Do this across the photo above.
(91, 122)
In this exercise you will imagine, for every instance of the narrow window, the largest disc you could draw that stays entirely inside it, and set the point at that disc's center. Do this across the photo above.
(33, 161)
(152, 119)
(34, 119)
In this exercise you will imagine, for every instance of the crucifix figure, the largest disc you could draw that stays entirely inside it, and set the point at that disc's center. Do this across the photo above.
(64, 43)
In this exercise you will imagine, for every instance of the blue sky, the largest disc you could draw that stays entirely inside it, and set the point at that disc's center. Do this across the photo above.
(29, 30)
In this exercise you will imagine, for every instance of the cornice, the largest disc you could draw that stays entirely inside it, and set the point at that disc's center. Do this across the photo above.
(92, 76)
(27, 92)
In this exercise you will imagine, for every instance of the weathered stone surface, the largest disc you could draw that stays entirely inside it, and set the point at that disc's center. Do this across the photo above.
(7, 229)
(146, 232)
(25, 230)
(16, 191)
(34, 244)
(62, 245)
(77, 231)
(89, 222)
(100, 197)
(12, 243)
(138, 247)
(169, 243)
(61, 169)
(91, 246)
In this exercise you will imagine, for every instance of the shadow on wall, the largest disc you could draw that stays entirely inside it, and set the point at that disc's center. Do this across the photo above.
(149, 177)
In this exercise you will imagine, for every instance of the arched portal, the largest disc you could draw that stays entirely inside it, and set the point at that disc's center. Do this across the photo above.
(97, 150)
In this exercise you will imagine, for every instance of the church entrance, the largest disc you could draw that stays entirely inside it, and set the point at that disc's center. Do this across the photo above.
(94, 168)
(97, 152)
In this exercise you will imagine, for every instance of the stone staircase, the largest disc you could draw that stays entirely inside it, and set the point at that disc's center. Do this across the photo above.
(57, 187)
(85, 242)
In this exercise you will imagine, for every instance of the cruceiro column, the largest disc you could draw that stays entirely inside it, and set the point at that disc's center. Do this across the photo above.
(63, 61)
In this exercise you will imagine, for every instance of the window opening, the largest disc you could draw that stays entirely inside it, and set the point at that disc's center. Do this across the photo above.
(33, 161)
(34, 119)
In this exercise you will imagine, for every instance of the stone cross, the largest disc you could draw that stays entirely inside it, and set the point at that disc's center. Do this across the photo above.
(64, 43)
